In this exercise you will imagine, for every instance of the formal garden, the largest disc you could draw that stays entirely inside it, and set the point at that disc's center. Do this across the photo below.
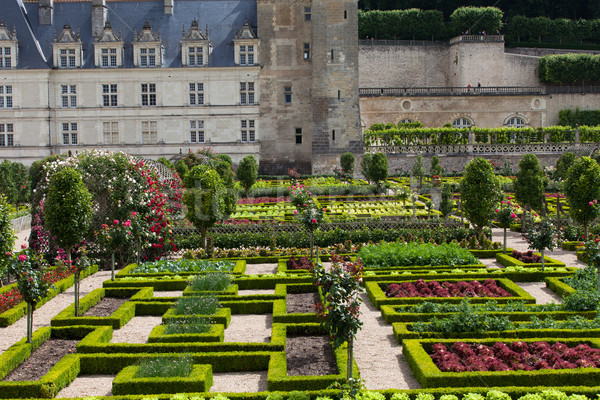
(197, 280)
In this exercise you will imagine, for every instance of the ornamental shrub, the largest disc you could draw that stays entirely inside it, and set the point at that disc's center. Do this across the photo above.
(446, 204)
(247, 172)
(476, 19)
(365, 165)
(347, 161)
(479, 192)
(418, 170)
(378, 169)
(563, 164)
(530, 182)
(582, 187)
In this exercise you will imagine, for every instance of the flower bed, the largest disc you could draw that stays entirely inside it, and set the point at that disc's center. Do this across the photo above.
(409, 254)
(515, 356)
(526, 257)
(420, 288)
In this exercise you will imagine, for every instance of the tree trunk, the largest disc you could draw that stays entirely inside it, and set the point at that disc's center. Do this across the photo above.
(350, 357)
(112, 266)
(504, 251)
(29, 322)
(312, 241)
(203, 235)
(542, 260)
(76, 287)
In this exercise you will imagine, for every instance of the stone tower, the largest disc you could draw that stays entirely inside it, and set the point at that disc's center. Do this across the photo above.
(308, 83)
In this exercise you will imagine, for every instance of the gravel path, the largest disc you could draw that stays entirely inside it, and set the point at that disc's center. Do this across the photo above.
(249, 328)
(136, 330)
(88, 385)
(239, 382)
(542, 294)
(255, 269)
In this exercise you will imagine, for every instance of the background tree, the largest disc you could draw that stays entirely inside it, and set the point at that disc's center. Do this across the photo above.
(20, 176)
(582, 187)
(67, 212)
(542, 237)
(436, 167)
(7, 237)
(166, 162)
(446, 203)
(247, 172)
(418, 170)
(230, 194)
(347, 161)
(181, 168)
(7, 184)
(379, 170)
(479, 192)
(563, 164)
(204, 198)
(476, 19)
(530, 182)
(365, 165)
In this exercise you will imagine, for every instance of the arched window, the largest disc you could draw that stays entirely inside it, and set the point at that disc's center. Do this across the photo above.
(406, 121)
(461, 123)
(515, 122)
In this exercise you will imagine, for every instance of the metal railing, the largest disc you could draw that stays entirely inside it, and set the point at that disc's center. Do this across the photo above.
(476, 91)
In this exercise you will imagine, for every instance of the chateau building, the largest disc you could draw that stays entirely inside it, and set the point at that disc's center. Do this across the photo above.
(277, 79)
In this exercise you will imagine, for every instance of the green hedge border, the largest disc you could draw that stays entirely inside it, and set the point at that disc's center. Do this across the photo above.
(222, 316)
(572, 245)
(126, 382)
(216, 333)
(377, 295)
(508, 261)
(11, 316)
(429, 375)
(239, 268)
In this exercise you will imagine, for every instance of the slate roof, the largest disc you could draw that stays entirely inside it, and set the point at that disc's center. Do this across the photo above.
(221, 16)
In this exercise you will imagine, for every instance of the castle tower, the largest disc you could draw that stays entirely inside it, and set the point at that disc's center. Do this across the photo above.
(308, 100)
(335, 100)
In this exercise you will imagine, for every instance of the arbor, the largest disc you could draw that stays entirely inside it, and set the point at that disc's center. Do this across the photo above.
(204, 198)
(582, 187)
(68, 211)
(529, 185)
(479, 192)
(247, 172)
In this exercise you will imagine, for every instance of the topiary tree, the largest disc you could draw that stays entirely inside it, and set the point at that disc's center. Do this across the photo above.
(347, 161)
(7, 237)
(418, 170)
(225, 157)
(446, 203)
(582, 187)
(247, 172)
(67, 212)
(436, 167)
(479, 192)
(563, 164)
(230, 195)
(365, 164)
(476, 19)
(379, 170)
(204, 198)
(542, 237)
(529, 185)
(181, 168)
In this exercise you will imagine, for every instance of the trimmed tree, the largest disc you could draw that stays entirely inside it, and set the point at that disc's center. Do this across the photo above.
(446, 203)
(365, 165)
(542, 237)
(418, 170)
(529, 185)
(347, 161)
(67, 212)
(7, 237)
(436, 167)
(563, 164)
(379, 170)
(479, 192)
(204, 198)
(582, 187)
(247, 172)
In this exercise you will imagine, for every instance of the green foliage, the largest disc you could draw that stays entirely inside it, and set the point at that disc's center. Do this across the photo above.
(181, 168)
(479, 192)
(436, 167)
(183, 265)
(563, 164)
(165, 367)
(569, 68)
(529, 185)
(224, 157)
(402, 24)
(274, 396)
(201, 305)
(582, 301)
(542, 236)
(418, 170)
(166, 162)
(446, 203)
(176, 326)
(298, 395)
(14, 182)
(409, 254)
(247, 172)
(7, 236)
(400, 396)
(30, 268)
(476, 19)
(213, 282)
(365, 165)
(582, 187)
(68, 208)
(347, 161)
(578, 117)
(378, 169)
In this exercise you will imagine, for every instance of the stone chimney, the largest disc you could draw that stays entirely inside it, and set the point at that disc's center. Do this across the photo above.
(98, 17)
(45, 12)
(169, 7)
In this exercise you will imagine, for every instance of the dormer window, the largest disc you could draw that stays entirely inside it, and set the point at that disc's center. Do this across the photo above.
(8, 47)
(195, 47)
(67, 49)
(147, 48)
(246, 46)
(108, 49)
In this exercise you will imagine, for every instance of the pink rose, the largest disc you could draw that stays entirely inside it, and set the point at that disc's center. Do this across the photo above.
(295, 212)
(513, 215)
(116, 222)
(314, 221)
(497, 210)
(597, 240)
(22, 257)
(133, 213)
(590, 203)
(502, 202)
(509, 197)
(127, 223)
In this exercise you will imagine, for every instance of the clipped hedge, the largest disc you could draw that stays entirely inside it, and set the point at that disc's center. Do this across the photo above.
(126, 382)
(507, 260)
(222, 316)
(429, 375)
(280, 314)
(375, 291)
(215, 334)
